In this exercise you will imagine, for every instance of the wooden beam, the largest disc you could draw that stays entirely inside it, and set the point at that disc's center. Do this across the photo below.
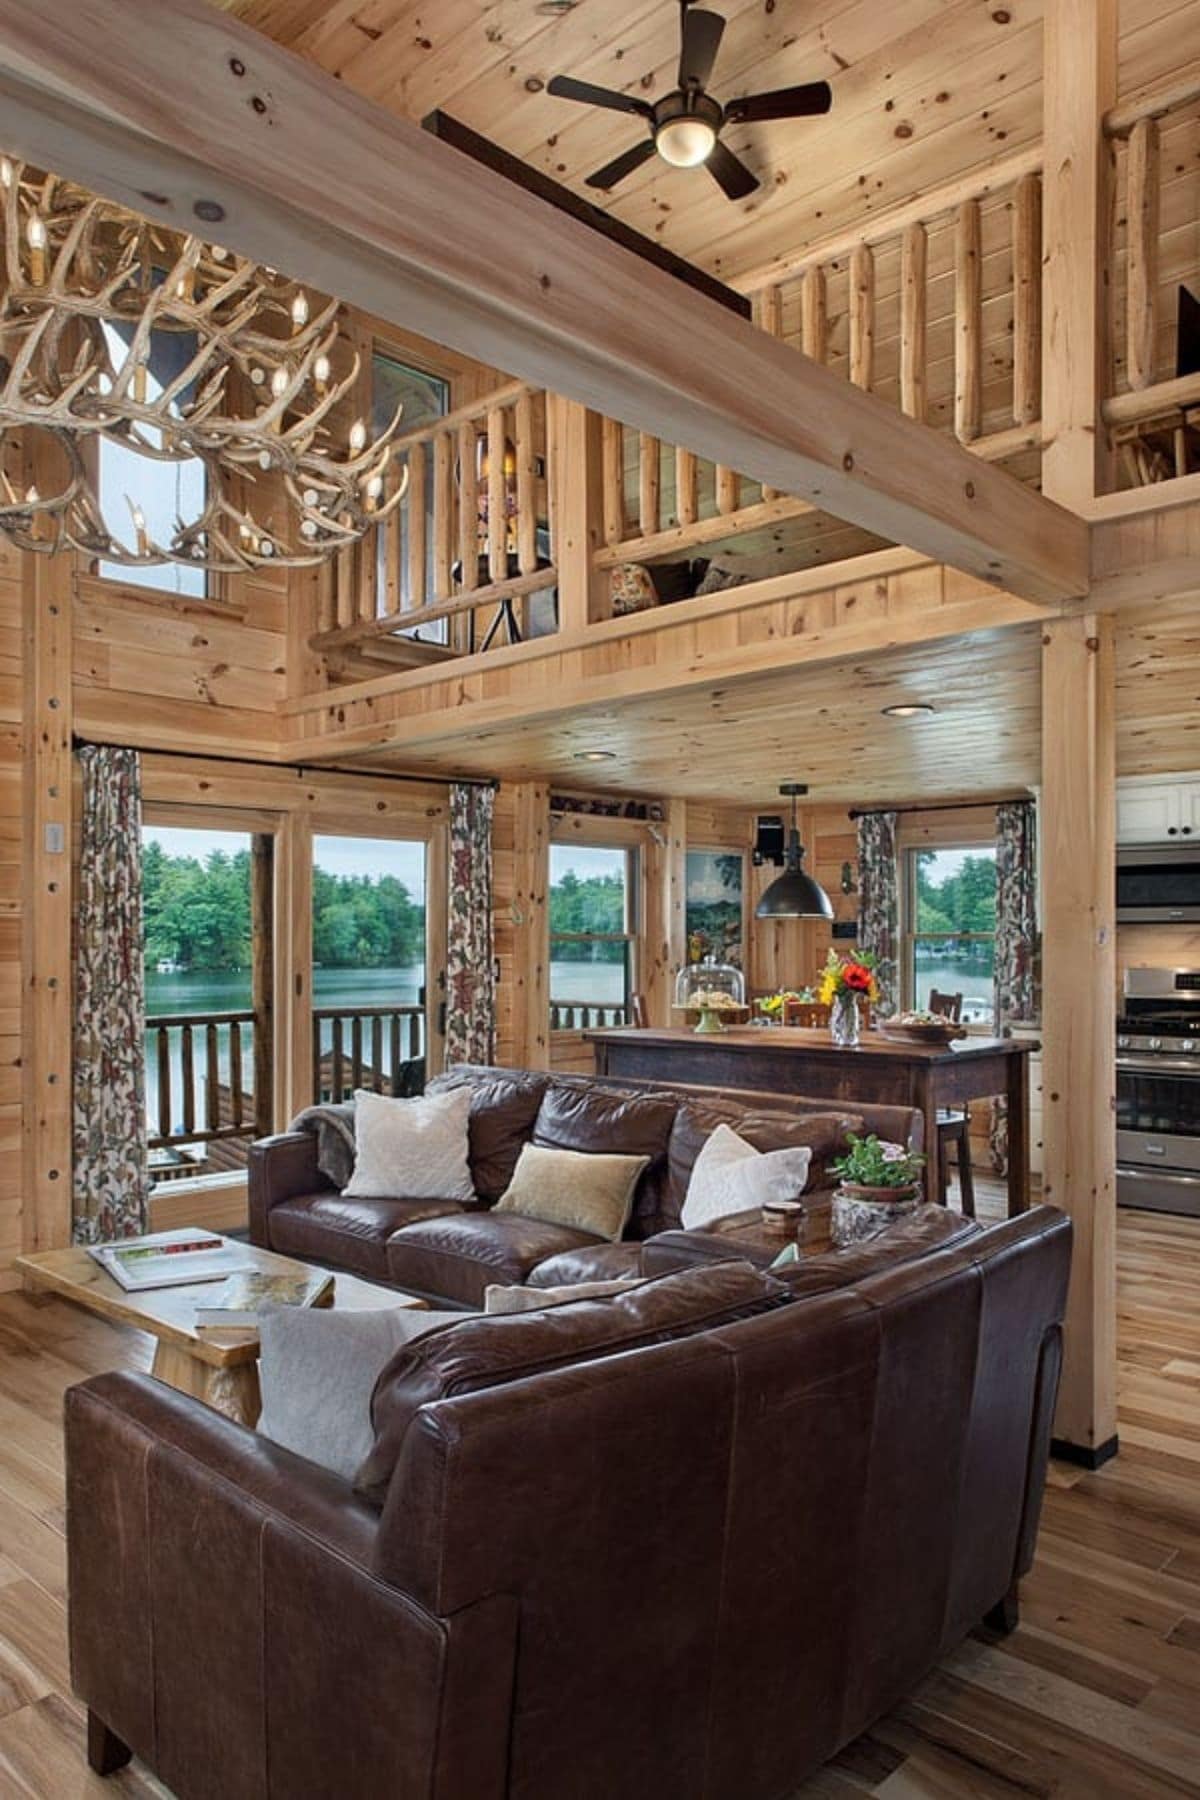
(1078, 829)
(205, 113)
(1079, 86)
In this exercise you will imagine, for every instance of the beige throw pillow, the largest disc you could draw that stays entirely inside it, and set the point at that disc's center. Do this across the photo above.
(500, 1298)
(570, 1187)
(412, 1149)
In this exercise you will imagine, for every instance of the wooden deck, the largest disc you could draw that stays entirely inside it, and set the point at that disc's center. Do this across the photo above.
(1097, 1694)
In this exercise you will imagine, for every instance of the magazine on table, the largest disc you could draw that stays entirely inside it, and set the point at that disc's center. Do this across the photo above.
(244, 1296)
(169, 1259)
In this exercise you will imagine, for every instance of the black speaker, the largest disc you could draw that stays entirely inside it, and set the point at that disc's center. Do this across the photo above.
(768, 840)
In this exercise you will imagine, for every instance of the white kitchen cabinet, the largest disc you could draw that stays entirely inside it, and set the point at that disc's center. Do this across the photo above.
(1158, 809)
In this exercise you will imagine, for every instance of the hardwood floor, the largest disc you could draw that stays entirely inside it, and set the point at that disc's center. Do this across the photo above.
(1096, 1694)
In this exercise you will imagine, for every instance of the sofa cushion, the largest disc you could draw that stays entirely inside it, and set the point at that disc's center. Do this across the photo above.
(589, 1191)
(416, 1146)
(593, 1262)
(503, 1108)
(696, 1120)
(487, 1352)
(599, 1120)
(501, 1299)
(350, 1234)
(458, 1256)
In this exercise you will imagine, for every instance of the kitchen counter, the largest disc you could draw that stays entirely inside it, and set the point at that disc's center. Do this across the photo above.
(880, 1070)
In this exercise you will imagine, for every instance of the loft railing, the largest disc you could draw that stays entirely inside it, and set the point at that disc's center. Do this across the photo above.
(374, 1047)
(587, 1015)
(202, 1064)
(470, 541)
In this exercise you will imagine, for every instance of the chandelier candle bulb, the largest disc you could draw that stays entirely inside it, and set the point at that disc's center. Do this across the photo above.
(321, 373)
(139, 527)
(36, 235)
(300, 311)
(358, 438)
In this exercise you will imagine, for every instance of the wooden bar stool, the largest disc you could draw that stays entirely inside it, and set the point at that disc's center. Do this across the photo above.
(954, 1123)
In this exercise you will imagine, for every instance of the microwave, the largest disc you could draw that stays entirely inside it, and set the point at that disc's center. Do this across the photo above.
(1158, 883)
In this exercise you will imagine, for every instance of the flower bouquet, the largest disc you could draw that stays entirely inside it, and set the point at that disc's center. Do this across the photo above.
(846, 980)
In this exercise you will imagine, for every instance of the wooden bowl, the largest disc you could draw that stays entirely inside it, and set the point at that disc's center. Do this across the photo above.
(944, 1032)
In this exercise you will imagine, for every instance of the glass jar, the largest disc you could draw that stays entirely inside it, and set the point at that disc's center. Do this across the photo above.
(844, 1020)
(712, 985)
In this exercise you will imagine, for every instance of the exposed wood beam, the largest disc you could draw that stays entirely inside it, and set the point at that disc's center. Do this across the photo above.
(203, 113)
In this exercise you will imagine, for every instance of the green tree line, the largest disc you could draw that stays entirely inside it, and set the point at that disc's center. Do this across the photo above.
(197, 915)
(964, 901)
(594, 904)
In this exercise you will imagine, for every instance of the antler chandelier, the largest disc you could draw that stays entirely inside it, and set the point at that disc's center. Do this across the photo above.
(112, 328)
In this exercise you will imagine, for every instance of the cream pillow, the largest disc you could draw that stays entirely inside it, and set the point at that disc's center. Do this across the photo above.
(512, 1298)
(731, 1176)
(412, 1149)
(571, 1187)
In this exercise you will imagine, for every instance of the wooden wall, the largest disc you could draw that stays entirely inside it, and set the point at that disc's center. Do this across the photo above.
(11, 901)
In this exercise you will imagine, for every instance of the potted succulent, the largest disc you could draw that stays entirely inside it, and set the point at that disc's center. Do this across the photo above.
(879, 1183)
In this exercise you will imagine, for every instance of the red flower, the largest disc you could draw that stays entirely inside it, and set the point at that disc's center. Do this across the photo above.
(856, 977)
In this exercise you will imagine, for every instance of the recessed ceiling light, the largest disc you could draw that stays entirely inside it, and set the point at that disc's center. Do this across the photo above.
(595, 756)
(908, 709)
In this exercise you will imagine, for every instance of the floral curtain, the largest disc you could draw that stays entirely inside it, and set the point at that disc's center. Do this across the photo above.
(470, 948)
(879, 902)
(1016, 995)
(110, 1176)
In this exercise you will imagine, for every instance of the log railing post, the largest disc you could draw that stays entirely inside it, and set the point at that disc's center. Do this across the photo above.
(1141, 291)
(814, 323)
(914, 389)
(862, 315)
(687, 487)
(497, 496)
(526, 485)
(649, 484)
(612, 452)
(414, 519)
(443, 514)
(468, 505)
(1027, 300)
(968, 323)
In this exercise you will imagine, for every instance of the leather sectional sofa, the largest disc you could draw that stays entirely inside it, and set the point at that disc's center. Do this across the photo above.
(669, 1546)
(450, 1253)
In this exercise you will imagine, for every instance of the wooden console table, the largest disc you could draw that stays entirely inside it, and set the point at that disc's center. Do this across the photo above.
(877, 1071)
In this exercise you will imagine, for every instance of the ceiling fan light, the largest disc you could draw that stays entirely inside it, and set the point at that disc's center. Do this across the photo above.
(685, 142)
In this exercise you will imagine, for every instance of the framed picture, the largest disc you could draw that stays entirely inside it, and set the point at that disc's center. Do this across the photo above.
(713, 905)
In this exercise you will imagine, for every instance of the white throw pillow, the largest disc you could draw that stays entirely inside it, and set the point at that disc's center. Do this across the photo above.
(731, 1176)
(318, 1368)
(500, 1298)
(412, 1149)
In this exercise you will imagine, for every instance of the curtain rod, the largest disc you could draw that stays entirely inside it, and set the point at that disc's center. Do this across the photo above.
(297, 769)
(872, 812)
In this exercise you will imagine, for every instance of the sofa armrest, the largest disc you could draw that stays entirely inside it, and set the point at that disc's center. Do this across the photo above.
(279, 1168)
(738, 1237)
(193, 1543)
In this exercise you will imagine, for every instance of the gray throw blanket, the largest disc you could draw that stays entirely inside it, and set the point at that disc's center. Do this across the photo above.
(332, 1124)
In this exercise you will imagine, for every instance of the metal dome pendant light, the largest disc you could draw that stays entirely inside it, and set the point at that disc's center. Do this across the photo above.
(794, 895)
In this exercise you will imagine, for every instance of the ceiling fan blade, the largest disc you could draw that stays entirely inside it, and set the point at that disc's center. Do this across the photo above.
(731, 175)
(803, 102)
(565, 87)
(702, 32)
(622, 165)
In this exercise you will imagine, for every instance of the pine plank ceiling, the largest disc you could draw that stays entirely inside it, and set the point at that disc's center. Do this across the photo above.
(923, 90)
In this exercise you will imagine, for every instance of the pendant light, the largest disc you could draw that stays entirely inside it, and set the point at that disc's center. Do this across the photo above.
(794, 895)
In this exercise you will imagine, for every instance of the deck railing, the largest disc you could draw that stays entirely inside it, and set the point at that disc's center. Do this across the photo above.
(371, 1047)
(587, 1015)
(202, 1062)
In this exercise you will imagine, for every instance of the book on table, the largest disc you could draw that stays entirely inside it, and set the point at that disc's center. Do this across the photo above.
(169, 1259)
(244, 1296)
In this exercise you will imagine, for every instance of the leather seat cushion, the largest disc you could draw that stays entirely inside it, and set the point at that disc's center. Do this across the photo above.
(579, 1115)
(499, 1348)
(824, 1133)
(595, 1262)
(504, 1105)
(349, 1234)
(457, 1258)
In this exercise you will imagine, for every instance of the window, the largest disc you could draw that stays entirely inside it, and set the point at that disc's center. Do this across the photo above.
(950, 927)
(423, 399)
(713, 907)
(368, 987)
(592, 935)
(164, 492)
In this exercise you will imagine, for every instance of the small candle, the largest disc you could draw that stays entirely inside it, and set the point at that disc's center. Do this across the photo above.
(358, 438)
(320, 371)
(36, 233)
(139, 527)
(300, 311)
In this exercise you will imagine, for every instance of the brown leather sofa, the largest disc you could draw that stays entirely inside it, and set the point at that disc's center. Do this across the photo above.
(451, 1253)
(680, 1568)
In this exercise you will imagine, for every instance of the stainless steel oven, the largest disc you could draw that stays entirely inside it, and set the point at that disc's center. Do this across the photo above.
(1158, 1091)
(1158, 883)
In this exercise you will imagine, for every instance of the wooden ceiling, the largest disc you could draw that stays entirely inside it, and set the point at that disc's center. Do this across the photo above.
(923, 89)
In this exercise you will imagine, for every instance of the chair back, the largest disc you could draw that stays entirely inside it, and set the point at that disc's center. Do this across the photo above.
(946, 1006)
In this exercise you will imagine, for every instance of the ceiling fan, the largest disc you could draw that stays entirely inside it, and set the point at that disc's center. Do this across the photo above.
(686, 124)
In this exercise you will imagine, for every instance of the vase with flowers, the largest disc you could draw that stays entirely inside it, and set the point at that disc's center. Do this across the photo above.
(879, 1183)
(846, 981)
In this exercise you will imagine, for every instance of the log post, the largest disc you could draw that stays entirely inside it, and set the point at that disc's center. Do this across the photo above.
(914, 391)
(497, 492)
(1141, 293)
(1027, 300)
(1078, 1007)
(613, 460)
(814, 322)
(649, 485)
(728, 489)
(526, 485)
(414, 519)
(574, 436)
(687, 487)
(968, 323)
(262, 977)
(862, 315)
(443, 514)
(468, 504)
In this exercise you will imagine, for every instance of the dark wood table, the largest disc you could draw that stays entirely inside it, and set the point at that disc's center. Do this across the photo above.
(879, 1070)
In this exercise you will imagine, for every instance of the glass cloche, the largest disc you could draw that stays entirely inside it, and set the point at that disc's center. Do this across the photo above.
(712, 984)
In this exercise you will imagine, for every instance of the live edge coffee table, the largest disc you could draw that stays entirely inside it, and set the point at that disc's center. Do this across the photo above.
(222, 1374)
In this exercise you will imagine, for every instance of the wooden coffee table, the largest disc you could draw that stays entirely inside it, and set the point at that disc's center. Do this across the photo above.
(222, 1374)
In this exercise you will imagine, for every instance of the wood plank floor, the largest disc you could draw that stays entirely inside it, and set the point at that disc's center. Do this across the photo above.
(1097, 1694)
